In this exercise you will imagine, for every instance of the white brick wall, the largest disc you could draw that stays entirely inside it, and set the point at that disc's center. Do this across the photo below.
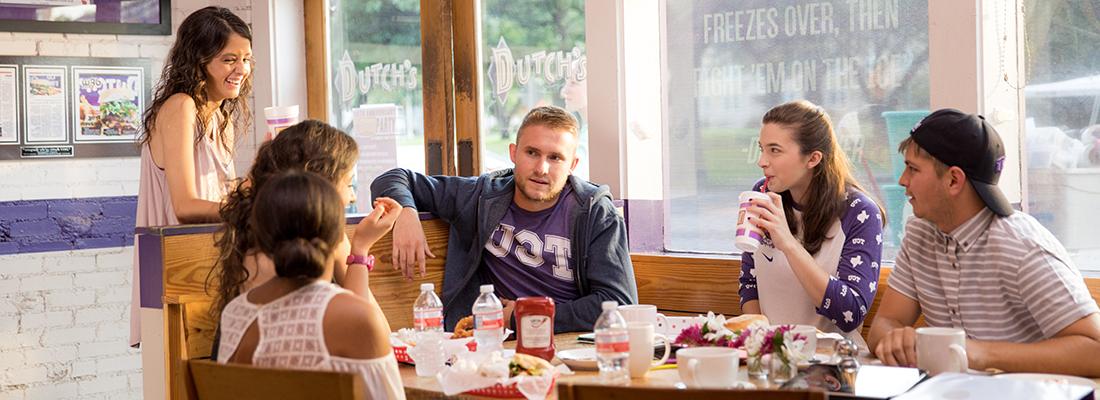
(59, 342)
(64, 316)
(67, 179)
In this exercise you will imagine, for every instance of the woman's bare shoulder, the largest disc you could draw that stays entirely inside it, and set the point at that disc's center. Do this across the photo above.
(179, 102)
(351, 329)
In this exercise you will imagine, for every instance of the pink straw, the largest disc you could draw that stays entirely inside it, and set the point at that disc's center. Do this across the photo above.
(764, 189)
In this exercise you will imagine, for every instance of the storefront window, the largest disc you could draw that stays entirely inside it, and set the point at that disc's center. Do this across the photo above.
(865, 62)
(532, 55)
(1063, 123)
(376, 92)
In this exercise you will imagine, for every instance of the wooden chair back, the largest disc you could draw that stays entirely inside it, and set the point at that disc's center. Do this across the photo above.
(579, 391)
(215, 381)
(1094, 288)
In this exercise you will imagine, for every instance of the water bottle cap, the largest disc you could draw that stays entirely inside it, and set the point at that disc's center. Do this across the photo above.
(427, 287)
(486, 288)
(609, 305)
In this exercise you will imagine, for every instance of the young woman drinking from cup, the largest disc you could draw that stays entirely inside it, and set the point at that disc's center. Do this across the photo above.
(300, 319)
(818, 263)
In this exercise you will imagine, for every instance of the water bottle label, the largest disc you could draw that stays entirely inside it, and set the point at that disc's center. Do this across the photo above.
(612, 342)
(613, 347)
(428, 318)
(536, 331)
(489, 320)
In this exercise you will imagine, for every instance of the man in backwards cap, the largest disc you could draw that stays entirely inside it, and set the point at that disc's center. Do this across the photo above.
(969, 261)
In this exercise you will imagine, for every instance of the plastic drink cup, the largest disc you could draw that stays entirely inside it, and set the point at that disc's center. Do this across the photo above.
(279, 118)
(748, 236)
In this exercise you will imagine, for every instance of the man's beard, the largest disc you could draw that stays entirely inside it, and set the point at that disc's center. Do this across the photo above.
(553, 195)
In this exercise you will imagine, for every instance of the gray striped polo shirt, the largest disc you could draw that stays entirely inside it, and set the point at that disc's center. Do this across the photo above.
(997, 278)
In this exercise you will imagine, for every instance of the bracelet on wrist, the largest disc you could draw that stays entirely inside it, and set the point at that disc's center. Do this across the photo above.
(367, 261)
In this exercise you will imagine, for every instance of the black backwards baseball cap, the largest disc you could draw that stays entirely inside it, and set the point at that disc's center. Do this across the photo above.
(969, 142)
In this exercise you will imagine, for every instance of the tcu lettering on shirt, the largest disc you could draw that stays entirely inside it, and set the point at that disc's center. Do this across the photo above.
(530, 249)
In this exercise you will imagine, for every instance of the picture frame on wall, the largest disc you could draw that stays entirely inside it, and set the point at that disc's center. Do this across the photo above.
(9, 103)
(72, 107)
(109, 102)
(44, 91)
(125, 17)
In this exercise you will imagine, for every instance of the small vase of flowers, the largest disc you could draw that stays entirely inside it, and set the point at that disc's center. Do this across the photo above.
(771, 350)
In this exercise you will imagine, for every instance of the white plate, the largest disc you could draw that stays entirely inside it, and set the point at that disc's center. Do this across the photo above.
(1051, 378)
(579, 359)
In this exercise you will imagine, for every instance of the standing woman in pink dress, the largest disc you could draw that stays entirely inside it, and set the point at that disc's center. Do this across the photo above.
(187, 144)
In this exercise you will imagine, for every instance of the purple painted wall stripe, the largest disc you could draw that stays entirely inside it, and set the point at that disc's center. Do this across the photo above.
(32, 226)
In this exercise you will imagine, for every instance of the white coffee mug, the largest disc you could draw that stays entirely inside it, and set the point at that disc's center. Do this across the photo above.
(708, 367)
(941, 350)
(748, 236)
(642, 339)
(810, 333)
(642, 313)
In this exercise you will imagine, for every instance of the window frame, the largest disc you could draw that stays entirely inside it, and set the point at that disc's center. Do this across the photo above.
(964, 74)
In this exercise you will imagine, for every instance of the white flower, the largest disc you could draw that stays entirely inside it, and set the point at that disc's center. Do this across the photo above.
(715, 327)
(794, 350)
(755, 340)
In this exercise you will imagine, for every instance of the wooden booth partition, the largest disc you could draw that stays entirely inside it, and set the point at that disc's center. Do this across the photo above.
(680, 285)
(175, 263)
(689, 286)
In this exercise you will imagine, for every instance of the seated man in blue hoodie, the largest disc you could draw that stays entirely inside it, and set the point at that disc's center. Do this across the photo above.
(534, 230)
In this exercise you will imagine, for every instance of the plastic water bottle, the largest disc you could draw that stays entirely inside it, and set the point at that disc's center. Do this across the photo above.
(428, 322)
(488, 321)
(612, 345)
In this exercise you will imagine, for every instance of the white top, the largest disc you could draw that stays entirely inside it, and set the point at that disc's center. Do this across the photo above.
(292, 337)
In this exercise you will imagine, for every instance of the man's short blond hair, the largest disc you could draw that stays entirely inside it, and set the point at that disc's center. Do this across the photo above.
(938, 165)
(552, 117)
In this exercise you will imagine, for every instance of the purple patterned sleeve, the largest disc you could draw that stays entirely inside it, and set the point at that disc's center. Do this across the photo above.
(748, 290)
(852, 290)
(748, 280)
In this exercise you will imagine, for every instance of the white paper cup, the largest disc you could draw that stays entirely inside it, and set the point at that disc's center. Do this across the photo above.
(941, 350)
(748, 235)
(642, 339)
(279, 118)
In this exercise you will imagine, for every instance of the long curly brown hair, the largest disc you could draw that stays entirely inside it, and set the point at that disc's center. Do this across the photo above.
(199, 39)
(310, 145)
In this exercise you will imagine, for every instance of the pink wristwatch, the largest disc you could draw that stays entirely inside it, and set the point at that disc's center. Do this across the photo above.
(358, 259)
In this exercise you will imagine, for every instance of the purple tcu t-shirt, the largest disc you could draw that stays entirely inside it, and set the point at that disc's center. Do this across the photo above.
(529, 253)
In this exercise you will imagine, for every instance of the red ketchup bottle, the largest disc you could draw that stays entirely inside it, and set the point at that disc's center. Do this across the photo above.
(534, 318)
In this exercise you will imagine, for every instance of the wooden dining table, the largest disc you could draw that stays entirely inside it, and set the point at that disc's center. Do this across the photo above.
(418, 387)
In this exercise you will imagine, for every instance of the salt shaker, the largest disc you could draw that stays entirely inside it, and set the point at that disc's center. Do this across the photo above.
(849, 362)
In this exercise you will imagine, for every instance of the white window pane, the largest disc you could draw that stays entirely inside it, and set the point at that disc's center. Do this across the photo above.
(532, 55)
(375, 72)
(865, 62)
(1063, 123)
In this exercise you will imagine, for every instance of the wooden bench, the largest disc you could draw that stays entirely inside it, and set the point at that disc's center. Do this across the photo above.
(689, 286)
